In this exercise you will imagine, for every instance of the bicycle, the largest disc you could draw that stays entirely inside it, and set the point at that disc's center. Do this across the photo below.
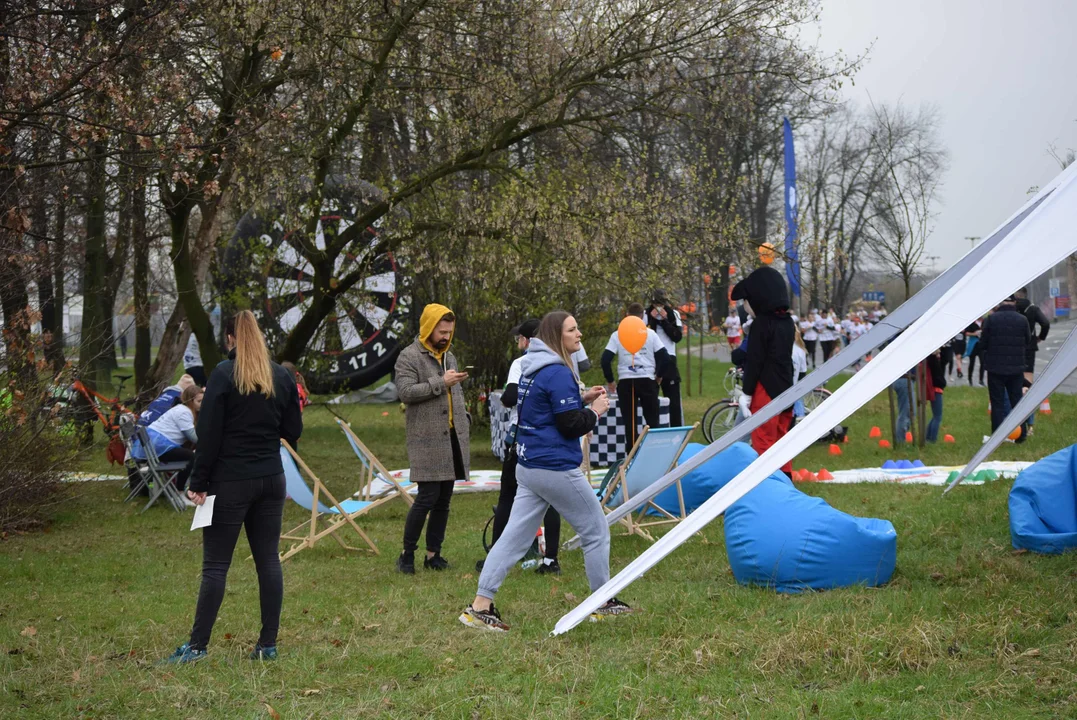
(64, 408)
(720, 417)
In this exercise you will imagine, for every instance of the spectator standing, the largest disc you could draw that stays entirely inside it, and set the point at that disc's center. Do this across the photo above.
(1035, 318)
(192, 361)
(936, 375)
(250, 405)
(523, 333)
(664, 319)
(731, 327)
(636, 378)
(973, 349)
(123, 344)
(1004, 341)
(438, 428)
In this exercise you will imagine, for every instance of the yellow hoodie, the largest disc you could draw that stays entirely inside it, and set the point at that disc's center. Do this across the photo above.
(429, 320)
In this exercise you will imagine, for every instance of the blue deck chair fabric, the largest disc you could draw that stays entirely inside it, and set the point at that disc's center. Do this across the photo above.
(778, 537)
(301, 494)
(653, 458)
(1043, 504)
(366, 463)
(698, 485)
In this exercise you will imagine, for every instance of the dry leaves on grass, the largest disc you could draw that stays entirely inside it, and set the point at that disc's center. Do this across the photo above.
(29, 631)
(272, 713)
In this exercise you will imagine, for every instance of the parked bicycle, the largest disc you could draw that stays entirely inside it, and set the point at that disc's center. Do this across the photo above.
(65, 409)
(722, 415)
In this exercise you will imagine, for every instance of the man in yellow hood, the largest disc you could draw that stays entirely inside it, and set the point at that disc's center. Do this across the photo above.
(438, 428)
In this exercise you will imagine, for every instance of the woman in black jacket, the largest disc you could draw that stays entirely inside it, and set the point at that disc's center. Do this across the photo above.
(251, 403)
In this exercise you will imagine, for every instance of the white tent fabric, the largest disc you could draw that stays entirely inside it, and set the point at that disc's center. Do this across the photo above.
(1062, 364)
(1043, 238)
(894, 323)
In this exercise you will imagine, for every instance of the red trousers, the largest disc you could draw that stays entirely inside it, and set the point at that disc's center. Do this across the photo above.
(772, 430)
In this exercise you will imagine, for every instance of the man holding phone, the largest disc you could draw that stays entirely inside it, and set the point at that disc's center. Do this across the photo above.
(438, 429)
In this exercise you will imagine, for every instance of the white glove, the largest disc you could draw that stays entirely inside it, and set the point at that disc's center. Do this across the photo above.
(745, 403)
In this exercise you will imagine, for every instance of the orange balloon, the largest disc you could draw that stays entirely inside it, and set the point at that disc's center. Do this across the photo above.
(632, 332)
(766, 253)
(1016, 434)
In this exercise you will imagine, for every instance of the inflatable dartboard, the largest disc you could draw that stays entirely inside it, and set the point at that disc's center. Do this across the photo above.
(358, 340)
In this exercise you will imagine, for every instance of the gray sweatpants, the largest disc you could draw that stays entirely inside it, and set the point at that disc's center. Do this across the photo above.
(571, 495)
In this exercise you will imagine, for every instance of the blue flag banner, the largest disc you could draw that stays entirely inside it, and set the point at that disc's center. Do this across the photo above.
(792, 262)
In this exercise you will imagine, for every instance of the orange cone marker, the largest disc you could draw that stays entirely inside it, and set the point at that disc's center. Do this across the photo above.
(884, 443)
(824, 474)
(948, 439)
(1045, 406)
(835, 449)
(908, 436)
(875, 432)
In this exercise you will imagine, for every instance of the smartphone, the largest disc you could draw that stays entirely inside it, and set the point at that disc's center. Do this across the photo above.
(468, 367)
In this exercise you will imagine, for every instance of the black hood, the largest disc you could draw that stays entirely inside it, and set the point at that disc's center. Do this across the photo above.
(1023, 304)
(764, 290)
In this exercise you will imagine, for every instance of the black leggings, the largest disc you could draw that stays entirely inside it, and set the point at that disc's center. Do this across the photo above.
(433, 499)
(809, 346)
(972, 363)
(828, 349)
(256, 504)
(504, 507)
(179, 454)
(645, 393)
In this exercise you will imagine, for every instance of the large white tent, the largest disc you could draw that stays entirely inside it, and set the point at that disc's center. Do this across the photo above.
(1043, 237)
(882, 332)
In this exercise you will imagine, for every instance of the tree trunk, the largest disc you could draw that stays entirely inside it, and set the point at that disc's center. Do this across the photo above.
(141, 280)
(46, 299)
(59, 285)
(14, 298)
(94, 333)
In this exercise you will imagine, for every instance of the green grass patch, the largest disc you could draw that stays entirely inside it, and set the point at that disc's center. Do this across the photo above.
(967, 628)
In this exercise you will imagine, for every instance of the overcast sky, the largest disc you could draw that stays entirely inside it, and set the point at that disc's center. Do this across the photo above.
(1003, 75)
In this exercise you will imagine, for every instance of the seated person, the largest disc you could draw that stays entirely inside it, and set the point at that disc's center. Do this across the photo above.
(171, 432)
(165, 401)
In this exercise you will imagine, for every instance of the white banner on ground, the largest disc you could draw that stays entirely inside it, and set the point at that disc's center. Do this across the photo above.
(1044, 238)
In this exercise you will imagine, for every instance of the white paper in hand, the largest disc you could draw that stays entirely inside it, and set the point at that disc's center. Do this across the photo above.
(203, 514)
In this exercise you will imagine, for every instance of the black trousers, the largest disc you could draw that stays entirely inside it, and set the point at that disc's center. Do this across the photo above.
(633, 393)
(946, 359)
(1005, 392)
(433, 499)
(180, 454)
(671, 390)
(507, 495)
(828, 349)
(256, 504)
(809, 346)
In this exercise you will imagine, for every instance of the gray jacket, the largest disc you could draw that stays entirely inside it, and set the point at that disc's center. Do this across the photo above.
(422, 389)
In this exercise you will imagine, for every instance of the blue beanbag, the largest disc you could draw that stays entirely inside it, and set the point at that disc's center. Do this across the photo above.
(704, 481)
(1043, 504)
(779, 537)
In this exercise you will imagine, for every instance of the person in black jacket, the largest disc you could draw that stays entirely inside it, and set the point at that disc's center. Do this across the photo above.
(251, 404)
(936, 375)
(664, 319)
(768, 365)
(1035, 317)
(1004, 340)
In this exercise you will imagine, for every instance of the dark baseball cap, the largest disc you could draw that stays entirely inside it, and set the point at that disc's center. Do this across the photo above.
(526, 329)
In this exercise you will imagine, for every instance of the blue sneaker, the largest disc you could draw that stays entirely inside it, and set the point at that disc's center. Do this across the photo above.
(264, 653)
(185, 655)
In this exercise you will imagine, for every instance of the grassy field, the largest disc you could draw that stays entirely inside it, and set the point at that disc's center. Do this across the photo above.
(967, 627)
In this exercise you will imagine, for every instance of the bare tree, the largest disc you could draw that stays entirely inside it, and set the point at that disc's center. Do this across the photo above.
(911, 163)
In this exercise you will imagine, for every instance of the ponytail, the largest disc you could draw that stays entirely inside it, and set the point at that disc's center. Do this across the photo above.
(253, 371)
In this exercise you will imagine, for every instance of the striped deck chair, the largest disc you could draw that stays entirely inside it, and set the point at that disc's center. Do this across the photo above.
(655, 453)
(324, 519)
(373, 470)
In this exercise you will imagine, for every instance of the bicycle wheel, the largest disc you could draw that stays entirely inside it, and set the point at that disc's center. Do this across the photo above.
(706, 420)
(722, 421)
(813, 399)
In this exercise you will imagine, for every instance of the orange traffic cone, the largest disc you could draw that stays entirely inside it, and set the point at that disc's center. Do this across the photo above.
(884, 443)
(835, 449)
(875, 432)
(845, 439)
(948, 439)
(1045, 406)
(824, 474)
(796, 476)
(908, 436)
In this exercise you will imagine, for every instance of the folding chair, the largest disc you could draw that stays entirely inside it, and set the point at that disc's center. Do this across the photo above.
(655, 453)
(341, 514)
(373, 470)
(157, 475)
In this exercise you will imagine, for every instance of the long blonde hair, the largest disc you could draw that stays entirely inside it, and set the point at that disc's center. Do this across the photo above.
(253, 371)
(798, 339)
(550, 331)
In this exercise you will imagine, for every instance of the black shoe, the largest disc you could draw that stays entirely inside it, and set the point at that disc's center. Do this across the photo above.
(406, 563)
(436, 563)
(554, 568)
(479, 565)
